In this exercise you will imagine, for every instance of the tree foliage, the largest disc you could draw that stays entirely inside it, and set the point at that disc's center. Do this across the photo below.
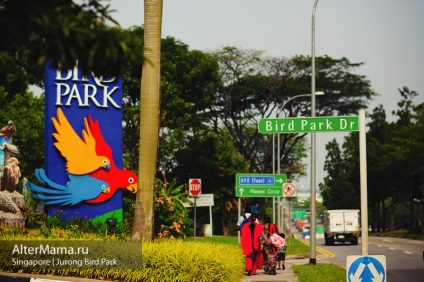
(30, 128)
(215, 160)
(207, 100)
(337, 189)
(65, 32)
(256, 87)
(394, 154)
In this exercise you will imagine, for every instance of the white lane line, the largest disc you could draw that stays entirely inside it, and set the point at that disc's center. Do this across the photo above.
(409, 253)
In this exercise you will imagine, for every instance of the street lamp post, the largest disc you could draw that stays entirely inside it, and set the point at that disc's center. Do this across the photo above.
(278, 147)
(312, 254)
(278, 135)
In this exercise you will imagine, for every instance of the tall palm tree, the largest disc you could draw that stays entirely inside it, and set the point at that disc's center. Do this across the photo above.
(149, 121)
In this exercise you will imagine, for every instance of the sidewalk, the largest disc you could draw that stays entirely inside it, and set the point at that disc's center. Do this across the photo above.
(286, 275)
(26, 277)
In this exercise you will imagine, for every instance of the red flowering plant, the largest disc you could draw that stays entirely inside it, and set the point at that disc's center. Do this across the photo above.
(171, 216)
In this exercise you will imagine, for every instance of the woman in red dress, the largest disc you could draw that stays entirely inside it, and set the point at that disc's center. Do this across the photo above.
(250, 243)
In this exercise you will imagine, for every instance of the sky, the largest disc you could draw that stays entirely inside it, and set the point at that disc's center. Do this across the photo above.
(386, 35)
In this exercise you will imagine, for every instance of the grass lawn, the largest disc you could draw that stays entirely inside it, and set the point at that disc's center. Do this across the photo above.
(231, 240)
(296, 247)
(319, 272)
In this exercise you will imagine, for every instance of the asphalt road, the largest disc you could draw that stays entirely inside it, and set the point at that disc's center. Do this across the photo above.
(404, 257)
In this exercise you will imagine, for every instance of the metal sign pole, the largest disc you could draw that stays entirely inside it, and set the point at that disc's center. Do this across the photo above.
(290, 216)
(239, 214)
(284, 215)
(195, 218)
(363, 170)
(273, 171)
(312, 255)
(210, 219)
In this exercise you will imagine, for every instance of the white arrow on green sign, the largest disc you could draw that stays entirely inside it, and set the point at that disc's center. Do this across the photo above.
(260, 185)
(308, 124)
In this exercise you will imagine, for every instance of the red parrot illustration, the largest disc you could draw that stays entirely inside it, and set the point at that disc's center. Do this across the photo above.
(115, 177)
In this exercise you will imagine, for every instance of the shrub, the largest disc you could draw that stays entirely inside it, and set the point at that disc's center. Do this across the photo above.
(178, 260)
(171, 217)
(159, 260)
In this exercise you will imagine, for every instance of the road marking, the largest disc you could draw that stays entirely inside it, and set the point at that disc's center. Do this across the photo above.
(409, 253)
(392, 249)
(324, 252)
(390, 241)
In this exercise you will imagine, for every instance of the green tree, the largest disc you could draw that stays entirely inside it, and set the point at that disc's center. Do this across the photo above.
(379, 134)
(214, 159)
(394, 153)
(403, 155)
(30, 128)
(189, 79)
(16, 74)
(337, 189)
(64, 32)
(254, 87)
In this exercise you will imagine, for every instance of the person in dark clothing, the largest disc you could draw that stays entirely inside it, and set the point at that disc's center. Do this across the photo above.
(247, 213)
(282, 253)
(270, 252)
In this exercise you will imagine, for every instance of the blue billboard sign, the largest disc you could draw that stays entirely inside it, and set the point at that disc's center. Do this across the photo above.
(83, 175)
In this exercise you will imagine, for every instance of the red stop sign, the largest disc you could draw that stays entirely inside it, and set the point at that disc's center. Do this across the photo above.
(194, 187)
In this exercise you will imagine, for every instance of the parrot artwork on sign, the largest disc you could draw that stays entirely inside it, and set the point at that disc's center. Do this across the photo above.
(90, 167)
(79, 188)
(115, 177)
(68, 142)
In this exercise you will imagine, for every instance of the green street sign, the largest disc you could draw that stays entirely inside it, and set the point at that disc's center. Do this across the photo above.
(308, 124)
(260, 185)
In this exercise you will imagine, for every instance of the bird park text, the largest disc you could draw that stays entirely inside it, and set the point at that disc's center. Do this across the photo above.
(85, 89)
(317, 124)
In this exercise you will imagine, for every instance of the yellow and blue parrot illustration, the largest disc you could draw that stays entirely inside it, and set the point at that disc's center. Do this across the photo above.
(81, 157)
(79, 188)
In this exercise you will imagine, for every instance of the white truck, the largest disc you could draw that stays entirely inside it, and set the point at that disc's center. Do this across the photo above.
(341, 226)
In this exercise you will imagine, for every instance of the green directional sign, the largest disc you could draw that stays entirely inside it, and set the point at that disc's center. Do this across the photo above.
(308, 124)
(260, 185)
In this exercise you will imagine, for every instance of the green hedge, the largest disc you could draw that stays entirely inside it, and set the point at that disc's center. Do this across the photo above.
(161, 260)
(171, 260)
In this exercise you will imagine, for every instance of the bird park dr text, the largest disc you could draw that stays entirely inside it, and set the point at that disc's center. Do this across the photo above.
(319, 124)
